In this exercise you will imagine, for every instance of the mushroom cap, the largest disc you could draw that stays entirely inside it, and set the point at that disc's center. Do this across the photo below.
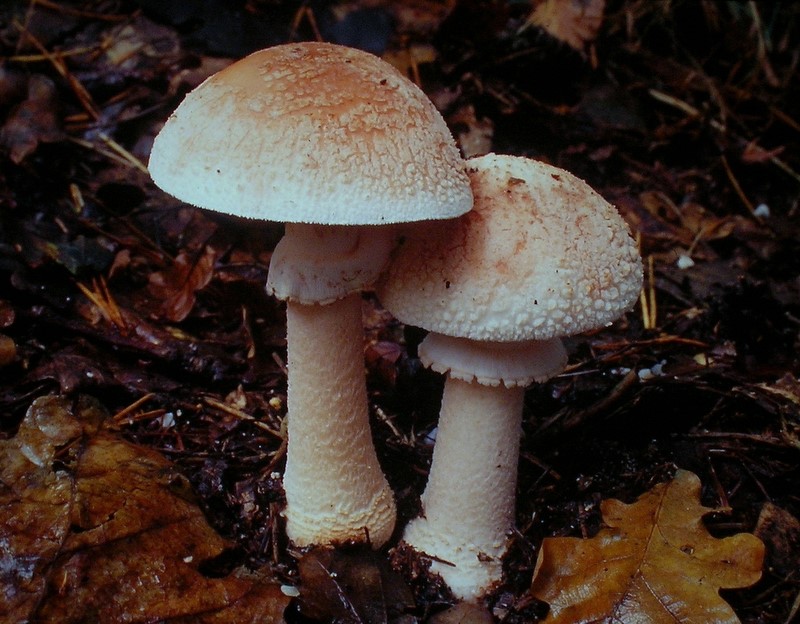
(541, 255)
(312, 133)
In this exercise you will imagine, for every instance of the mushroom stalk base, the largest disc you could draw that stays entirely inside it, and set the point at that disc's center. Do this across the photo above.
(335, 489)
(468, 504)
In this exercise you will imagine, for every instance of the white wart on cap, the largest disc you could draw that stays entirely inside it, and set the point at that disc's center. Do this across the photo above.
(542, 255)
(312, 133)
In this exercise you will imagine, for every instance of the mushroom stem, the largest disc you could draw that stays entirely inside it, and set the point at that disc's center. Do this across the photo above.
(335, 489)
(468, 503)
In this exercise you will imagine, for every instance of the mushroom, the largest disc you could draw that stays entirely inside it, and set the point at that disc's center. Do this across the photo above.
(337, 144)
(541, 256)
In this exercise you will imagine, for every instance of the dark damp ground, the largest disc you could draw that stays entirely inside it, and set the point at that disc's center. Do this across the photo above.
(683, 114)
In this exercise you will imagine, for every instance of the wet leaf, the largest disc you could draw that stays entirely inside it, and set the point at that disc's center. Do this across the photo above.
(754, 153)
(575, 22)
(463, 613)
(653, 562)
(96, 529)
(137, 43)
(474, 135)
(351, 587)
(7, 314)
(33, 121)
(178, 285)
(8, 350)
(780, 532)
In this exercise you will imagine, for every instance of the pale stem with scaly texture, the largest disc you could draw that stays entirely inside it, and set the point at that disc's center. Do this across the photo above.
(335, 489)
(469, 501)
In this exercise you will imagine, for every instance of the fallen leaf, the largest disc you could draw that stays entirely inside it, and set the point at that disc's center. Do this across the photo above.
(382, 357)
(753, 153)
(94, 528)
(8, 350)
(787, 387)
(474, 135)
(135, 44)
(409, 59)
(7, 314)
(33, 121)
(463, 613)
(177, 286)
(780, 532)
(575, 22)
(653, 562)
(351, 586)
(704, 225)
(419, 17)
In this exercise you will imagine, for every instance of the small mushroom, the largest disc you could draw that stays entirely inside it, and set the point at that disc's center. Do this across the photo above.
(541, 256)
(337, 144)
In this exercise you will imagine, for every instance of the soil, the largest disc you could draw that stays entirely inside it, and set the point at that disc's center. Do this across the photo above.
(684, 115)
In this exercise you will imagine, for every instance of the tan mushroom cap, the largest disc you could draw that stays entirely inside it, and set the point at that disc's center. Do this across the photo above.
(312, 133)
(541, 255)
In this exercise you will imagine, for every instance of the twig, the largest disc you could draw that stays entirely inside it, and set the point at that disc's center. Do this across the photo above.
(664, 339)
(277, 359)
(384, 418)
(572, 420)
(647, 298)
(738, 188)
(237, 413)
(761, 46)
(692, 112)
(789, 121)
(53, 6)
(794, 611)
(84, 97)
(38, 58)
(735, 435)
(123, 413)
(308, 14)
(101, 297)
(125, 154)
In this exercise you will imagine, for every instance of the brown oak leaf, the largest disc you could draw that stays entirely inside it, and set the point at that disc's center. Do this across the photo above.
(653, 562)
(95, 529)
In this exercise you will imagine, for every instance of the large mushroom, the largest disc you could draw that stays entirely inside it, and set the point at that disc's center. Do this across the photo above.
(541, 256)
(337, 144)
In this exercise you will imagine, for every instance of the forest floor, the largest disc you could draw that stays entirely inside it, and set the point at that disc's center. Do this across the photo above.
(684, 114)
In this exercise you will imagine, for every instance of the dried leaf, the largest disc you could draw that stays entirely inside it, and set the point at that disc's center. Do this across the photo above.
(780, 532)
(178, 285)
(419, 17)
(408, 60)
(575, 22)
(653, 562)
(787, 387)
(753, 153)
(463, 613)
(137, 43)
(704, 225)
(33, 121)
(7, 314)
(8, 350)
(474, 135)
(96, 529)
(382, 357)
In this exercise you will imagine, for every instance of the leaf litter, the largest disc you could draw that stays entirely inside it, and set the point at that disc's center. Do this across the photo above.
(96, 528)
(683, 118)
(652, 561)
